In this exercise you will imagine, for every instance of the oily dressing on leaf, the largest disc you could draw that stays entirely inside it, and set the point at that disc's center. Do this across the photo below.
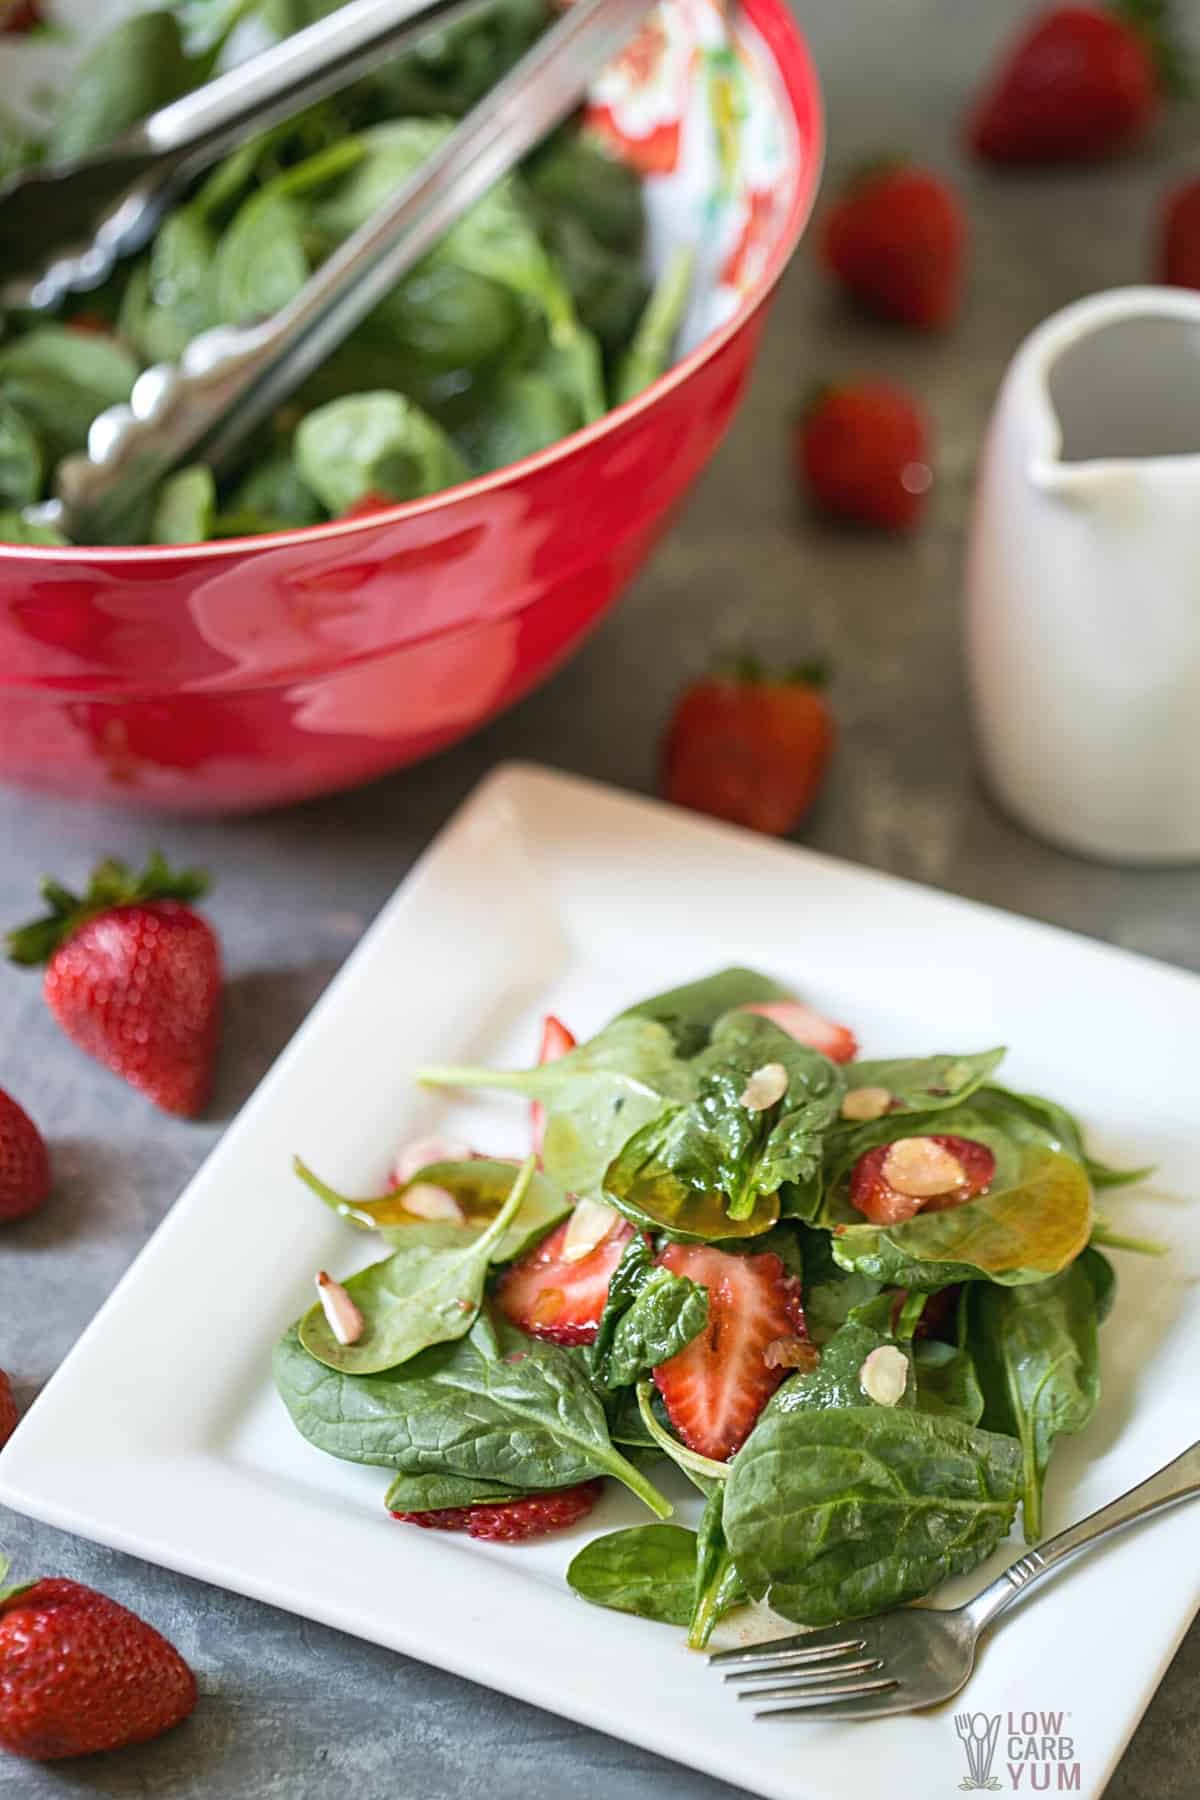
(1012, 1235)
(712, 1168)
(416, 1297)
(480, 1186)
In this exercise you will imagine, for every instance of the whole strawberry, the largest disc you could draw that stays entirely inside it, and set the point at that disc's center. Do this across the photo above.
(24, 1164)
(1079, 83)
(863, 453)
(1179, 237)
(749, 747)
(896, 239)
(80, 1673)
(133, 976)
(8, 1409)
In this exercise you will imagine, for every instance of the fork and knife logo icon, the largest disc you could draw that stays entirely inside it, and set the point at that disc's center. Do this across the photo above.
(980, 1733)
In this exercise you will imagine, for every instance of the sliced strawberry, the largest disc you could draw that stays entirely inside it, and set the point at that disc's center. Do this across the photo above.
(837, 1042)
(556, 1041)
(715, 1389)
(549, 1297)
(896, 1181)
(512, 1521)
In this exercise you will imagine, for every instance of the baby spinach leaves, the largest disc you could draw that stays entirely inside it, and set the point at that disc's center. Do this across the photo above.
(595, 1097)
(480, 1186)
(713, 1168)
(374, 444)
(836, 1514)
(925, 1083)
(649, 1570)
(133, 70)
(649, 1316)
(1038, 1359)
(946, 1378)
(435, 1492)
(185, 507)
(690, 1012)
(718, 1586)
(59, 379)
(649, 353)
(492, 1406)
(420, 1295)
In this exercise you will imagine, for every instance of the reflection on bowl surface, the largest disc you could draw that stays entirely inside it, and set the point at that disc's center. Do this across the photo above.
(250, 672)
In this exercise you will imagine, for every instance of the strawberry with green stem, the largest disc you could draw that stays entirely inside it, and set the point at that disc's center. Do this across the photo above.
(133, 976)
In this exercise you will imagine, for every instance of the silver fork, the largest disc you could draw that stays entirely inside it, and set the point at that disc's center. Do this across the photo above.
(916, 1656)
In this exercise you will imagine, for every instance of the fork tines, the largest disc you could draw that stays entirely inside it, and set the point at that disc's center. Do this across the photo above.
(820, 1668)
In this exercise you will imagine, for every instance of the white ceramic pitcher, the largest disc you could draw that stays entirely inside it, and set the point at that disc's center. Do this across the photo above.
(1083, 580)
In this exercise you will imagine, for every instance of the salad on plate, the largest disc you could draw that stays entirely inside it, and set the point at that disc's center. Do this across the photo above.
(854, 1300)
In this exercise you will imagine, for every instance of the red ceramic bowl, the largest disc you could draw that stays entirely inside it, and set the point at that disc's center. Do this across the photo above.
(256, 671)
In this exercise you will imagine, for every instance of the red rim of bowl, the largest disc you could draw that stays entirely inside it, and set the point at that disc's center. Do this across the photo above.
(794, 67)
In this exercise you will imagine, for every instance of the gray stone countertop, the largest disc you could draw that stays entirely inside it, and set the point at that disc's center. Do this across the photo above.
(292, 1709)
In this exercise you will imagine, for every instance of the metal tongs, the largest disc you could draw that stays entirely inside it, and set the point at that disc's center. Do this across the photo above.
(64, 227)
(230, 378)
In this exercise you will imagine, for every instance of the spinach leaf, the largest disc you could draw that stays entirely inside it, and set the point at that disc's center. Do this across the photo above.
(837, 1514)
(416, 1297)
(831, 1293)
(521, 411)
(1038, 1359)
(650, 1315)
(494, 1406)
(271, 497)
(433, 1493)
(925, 1083)
(574, 177)
(135, 68)
(481, 1188)
(607, 287)
(21, 464)
(261, 261)
(650, 351)
(690, 1012)
(595, 1097)
(16, 529)
(702, 1471)
(185, 507)
(374, 444)
(172, 296)
(207, 24)
(946, 1378)
(449, 321)
(711, 1168)
(60, 379)
(1011, 1235)
(649, 1570)
(718, 1586)
(836, 1382)
(1061, 1130)
(1103, 1278)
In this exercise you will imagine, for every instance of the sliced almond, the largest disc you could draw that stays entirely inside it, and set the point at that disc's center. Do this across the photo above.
(421, 1153)
(341, 1315)
(792, 1353)
(884, 1376)
(765, 1087)
(425, 1200)
(866, 1103)
(921, 1167)
(589, 1225)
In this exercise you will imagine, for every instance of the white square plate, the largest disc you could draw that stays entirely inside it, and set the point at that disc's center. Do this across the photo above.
(548, 893)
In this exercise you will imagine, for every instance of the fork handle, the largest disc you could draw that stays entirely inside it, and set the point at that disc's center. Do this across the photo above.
(1179, 1480)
